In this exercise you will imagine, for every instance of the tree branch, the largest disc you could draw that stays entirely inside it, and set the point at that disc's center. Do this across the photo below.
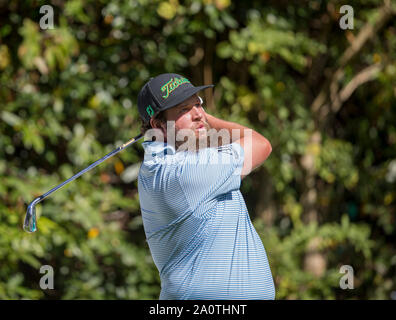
(367, 74)
(319, 105)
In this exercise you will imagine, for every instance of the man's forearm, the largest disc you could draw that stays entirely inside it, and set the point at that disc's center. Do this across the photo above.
(219, 124)
(256, 147)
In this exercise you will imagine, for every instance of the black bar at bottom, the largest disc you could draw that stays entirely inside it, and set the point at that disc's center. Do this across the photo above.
(214, 309)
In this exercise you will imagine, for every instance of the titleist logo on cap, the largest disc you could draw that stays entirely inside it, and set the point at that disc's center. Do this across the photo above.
(172, 84)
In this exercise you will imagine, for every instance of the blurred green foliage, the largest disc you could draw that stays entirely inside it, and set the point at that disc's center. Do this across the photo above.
(323, 96)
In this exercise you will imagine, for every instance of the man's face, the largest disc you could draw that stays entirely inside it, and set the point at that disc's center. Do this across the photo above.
(190, 116)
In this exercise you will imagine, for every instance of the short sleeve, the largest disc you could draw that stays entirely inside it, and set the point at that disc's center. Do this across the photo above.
(211, 172)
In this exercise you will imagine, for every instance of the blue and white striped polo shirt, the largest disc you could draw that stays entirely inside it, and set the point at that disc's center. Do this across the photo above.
(197, 225)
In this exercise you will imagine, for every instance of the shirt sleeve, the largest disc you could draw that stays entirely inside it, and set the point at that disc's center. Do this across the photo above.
(211, 172)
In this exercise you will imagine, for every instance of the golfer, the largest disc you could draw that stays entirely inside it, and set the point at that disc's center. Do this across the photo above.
(195, 218)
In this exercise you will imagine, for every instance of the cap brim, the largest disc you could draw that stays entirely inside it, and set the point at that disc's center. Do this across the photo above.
(187, 94)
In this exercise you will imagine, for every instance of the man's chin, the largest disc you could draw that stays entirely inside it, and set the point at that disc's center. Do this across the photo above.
(200, 141)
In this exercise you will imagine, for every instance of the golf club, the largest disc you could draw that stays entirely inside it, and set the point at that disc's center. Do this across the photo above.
(30, 224)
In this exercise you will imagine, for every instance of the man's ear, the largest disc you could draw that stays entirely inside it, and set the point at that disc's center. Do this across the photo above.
(157, 124)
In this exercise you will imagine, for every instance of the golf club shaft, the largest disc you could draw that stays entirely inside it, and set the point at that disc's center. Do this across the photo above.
(93, 165)
(31, 213)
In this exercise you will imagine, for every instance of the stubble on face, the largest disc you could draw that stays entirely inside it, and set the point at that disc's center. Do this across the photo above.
(193, 140)
(183, 126)
(183, 133)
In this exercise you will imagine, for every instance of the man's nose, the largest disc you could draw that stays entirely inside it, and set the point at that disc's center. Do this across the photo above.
(196, 113)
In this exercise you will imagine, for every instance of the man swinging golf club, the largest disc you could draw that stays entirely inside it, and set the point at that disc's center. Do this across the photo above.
(195, 218)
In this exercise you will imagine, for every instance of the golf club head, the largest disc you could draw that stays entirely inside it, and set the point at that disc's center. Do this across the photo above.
(30, 224)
